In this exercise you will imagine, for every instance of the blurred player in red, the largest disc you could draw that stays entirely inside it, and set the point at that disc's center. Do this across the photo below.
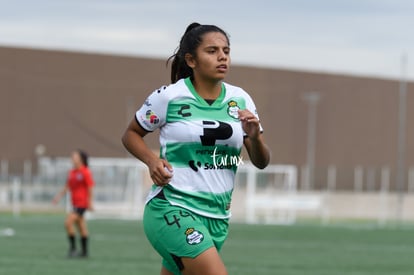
(80, 185)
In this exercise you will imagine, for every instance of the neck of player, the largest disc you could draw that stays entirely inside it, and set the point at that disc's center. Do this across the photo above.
(207, 89)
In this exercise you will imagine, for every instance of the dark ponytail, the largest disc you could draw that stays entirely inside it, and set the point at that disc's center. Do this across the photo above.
(189, 43)
(84, 157)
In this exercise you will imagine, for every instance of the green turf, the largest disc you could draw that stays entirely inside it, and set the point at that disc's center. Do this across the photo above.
(120, 247)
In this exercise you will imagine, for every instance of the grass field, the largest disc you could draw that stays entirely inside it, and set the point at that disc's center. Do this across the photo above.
(120, 248)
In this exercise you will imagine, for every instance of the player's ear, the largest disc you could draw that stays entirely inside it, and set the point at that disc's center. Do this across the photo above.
(190, 60)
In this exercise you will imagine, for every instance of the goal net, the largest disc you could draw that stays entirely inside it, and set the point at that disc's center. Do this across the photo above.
(121, 185)
(269, 193)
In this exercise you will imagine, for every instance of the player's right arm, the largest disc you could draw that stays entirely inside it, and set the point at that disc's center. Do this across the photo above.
(133, 140)
(151, 116)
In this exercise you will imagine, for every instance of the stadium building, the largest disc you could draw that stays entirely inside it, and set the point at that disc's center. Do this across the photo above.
(66, 100)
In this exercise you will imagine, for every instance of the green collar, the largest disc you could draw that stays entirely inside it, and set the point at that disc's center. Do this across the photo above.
(201, 100)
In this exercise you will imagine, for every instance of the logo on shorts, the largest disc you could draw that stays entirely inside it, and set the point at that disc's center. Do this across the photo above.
(194, 236)
(233, 109)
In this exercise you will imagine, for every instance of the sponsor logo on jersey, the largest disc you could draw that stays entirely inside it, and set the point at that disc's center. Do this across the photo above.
(152, 117)
(193, 236)
(220, 160)
(193, 165)
(184, 111)
(233, 109)
(215, 130)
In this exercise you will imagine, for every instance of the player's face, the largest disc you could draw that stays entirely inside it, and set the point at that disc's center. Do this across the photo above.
(76, 160)
(212, 60)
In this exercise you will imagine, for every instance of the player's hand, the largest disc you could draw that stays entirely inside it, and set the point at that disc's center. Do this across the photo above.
(90, 207)
(160, 171)
(55, 201)
(250, 123)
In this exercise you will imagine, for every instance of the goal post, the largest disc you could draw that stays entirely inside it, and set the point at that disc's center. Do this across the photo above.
(121, 188)
(269, 193)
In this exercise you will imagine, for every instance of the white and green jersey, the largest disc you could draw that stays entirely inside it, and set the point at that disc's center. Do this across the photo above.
(202, 142)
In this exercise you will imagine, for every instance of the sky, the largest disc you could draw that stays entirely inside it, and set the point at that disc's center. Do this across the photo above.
(355, 37)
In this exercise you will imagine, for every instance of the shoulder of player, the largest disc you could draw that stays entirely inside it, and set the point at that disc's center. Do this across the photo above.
(85, 170)
(233, 90)
(171, 91)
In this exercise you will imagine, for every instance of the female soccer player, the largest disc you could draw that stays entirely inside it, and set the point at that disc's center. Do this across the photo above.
(203, 124)
(80, 185)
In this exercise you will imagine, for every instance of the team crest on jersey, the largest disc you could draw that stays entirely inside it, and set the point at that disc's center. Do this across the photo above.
(79, 176)
(233, 109)
(152, 117)
(194, 236)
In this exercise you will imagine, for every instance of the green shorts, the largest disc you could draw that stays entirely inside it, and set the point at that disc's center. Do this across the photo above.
(175, 232)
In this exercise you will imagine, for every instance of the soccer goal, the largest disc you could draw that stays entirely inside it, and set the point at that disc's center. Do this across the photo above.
(272, 194)
(121, 185)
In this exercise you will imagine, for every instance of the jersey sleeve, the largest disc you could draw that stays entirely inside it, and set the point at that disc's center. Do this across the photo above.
(252, 108)
(152, 114)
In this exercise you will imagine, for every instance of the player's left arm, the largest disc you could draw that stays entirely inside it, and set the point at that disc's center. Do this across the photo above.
(90, 184)
(90, 199)
(257, 149)
(59, 195)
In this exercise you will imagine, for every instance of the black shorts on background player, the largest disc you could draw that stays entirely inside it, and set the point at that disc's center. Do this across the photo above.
(79, 211)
